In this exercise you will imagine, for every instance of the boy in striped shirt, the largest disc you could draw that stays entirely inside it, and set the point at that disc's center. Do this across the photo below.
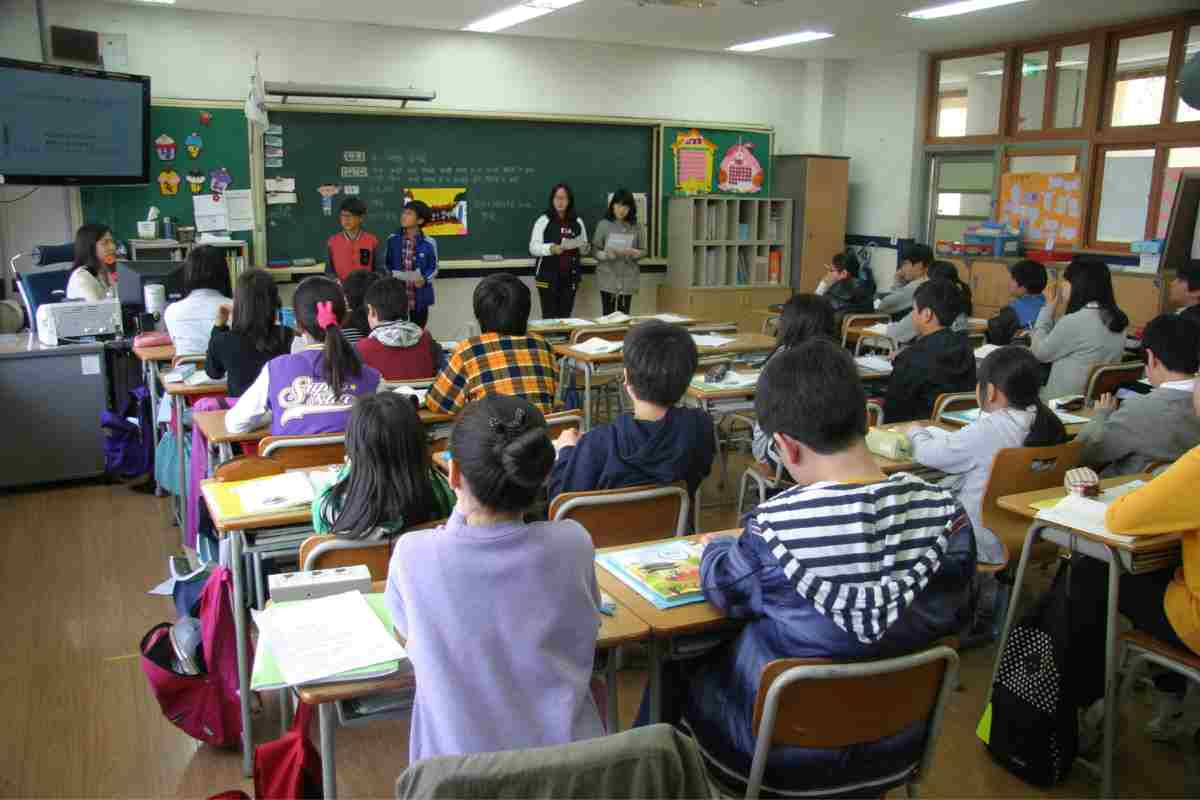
(849, 564)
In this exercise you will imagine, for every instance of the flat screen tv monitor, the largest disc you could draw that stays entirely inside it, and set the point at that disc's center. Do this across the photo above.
(134, 276)
(65, 126)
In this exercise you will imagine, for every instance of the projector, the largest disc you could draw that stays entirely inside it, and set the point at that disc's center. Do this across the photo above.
(60, 322)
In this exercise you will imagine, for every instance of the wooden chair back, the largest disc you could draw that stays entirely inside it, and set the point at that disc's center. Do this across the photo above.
(615, 333)
(1106, 378)
(245, 468)
(300, 452)
(856, 322)
(326, 551)
(959, 401)
(1023, 469)
(561, 421)
(197, 359)
(616, 517)
(422, 383)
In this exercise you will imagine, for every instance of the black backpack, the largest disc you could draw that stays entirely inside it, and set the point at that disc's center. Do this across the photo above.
(1030, 726)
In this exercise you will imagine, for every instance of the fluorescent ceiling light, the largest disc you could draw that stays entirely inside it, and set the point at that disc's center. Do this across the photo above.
(954, 9)
(160, 2)
(531, 9)
(779, 41)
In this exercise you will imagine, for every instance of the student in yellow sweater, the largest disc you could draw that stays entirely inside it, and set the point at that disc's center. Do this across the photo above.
(1164, 604)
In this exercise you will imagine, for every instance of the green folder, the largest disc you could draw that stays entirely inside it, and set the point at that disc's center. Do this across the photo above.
(266, 674)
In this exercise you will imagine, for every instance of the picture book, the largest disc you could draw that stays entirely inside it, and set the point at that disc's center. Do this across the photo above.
(665, 573)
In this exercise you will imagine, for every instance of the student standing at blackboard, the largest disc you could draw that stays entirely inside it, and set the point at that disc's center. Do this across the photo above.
(618, 243)
(412, 257)
(558, 271)
(351, 248)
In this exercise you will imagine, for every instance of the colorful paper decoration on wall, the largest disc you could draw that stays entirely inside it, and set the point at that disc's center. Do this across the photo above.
(194, 144)
(327, 192)
(694, 157)
(205, 117)
(168, 182)
(740, 171)
(195, 181)
(1047, 206)
(449, 208)
(219, 179)
(165, 146)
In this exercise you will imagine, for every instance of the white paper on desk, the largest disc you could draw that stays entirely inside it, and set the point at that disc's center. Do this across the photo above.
(572, 322)
(596, 346)
(282, 199)
(874, 364)
(985, 350)
(711, 340)
(315, 639)
(879, 328)
(211, 214)
(276, 493)
(240, 207)
(200, 378)
(733, 380)
(281, 184)
(413, 391)
(615, 318)
(674, 319)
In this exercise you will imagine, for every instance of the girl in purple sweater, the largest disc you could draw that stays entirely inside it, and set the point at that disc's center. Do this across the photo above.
(500, 616)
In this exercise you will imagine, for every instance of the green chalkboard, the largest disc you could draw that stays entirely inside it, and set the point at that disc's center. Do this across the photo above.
(506, 167)
(225, 144)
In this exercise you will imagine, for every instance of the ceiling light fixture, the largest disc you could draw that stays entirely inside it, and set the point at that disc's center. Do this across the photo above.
(523, 12)
(954, 9)
(779, 41)
(159, 2)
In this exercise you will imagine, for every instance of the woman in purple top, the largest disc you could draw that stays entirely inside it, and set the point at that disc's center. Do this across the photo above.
(311, 391)
(500, 616)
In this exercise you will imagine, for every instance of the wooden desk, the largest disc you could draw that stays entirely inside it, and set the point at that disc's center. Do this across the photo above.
(179, 394)
(666, 625)
(623, 627)
(151, 358)
(1142, 554)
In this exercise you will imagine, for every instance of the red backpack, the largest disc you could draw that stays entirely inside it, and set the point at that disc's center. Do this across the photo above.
(288, 768)
(204, 706)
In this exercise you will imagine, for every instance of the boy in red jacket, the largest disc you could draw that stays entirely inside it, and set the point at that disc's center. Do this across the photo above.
(399, 349)
(351, 248)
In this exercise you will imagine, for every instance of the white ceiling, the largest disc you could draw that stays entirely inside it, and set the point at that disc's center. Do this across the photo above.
(862, 27)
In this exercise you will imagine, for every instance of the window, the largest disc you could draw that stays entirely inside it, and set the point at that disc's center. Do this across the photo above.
(1070, 85)
(1042, 163)
(1178, 159)
(1184, 112)
(1124, 195)
(1140, 80)
(962, 194)
(1035, 69)
(969, 91)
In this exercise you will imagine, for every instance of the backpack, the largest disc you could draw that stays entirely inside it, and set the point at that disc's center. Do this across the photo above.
(128, 446)
(204, 706)
(1030, 726)
(289, 768)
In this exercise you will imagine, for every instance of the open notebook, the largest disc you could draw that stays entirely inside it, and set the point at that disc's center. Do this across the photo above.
(597, 346)
(1087, 513)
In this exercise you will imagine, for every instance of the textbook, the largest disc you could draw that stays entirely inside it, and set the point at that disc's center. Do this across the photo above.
(1088, 514)
(665, 573)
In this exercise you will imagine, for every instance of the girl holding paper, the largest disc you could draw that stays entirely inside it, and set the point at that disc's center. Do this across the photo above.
(558, 240)
(618, 246)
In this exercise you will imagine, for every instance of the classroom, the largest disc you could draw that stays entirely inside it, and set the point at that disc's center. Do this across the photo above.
(600, 398)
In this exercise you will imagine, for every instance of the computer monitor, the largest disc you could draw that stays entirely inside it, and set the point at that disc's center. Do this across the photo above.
(134, 276)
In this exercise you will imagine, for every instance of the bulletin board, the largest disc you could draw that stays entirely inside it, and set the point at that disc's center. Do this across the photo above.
(715, 161)
(1048, 206)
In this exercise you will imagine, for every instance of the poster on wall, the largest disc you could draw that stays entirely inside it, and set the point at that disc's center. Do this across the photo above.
(693, 162)
(740, 171)
(449, 208)
(1046, 206)
(715, 162)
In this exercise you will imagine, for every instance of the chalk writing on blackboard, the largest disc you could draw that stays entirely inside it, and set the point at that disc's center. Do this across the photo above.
(354, 156)
(354, 172)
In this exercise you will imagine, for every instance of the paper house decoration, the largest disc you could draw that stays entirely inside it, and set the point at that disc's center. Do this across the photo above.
(694, 157)
(740, 171)
(165, 146)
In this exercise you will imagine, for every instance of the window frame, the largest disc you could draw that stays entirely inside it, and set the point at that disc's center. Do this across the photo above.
(1054, 54)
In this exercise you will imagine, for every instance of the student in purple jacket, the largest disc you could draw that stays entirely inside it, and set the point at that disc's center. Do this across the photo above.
(313, 390)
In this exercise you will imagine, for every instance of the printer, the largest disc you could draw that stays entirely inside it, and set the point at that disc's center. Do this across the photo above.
(63, 322)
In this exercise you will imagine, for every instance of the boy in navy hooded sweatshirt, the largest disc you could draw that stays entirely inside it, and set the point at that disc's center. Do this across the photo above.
(657, 444)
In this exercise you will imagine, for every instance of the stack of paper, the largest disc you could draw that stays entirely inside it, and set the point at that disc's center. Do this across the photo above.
(1086, 513)
(572, 322)
(985, 350)
(711, 340)
(313, 641)
(874, 364)
(596, 346)
(615, 318)
(179, 374)
(878, 329)
(276, 493)
(674, 319)
(732, 380)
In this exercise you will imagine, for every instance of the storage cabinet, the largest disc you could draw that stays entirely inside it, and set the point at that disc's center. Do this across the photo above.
(722, 304)
(818, 187)
(1142, 297)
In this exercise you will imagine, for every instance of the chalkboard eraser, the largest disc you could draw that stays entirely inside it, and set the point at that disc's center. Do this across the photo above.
(304, 262)
(493, 257)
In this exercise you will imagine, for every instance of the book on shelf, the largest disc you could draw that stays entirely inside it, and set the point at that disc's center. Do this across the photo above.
(665, 573)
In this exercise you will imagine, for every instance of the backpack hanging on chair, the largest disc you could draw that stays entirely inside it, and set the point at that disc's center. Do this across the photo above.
(128, 446)
(1030, 725)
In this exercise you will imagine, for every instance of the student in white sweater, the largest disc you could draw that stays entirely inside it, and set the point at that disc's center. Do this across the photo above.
(190, 320)
(1083, 328)
(1011, 415)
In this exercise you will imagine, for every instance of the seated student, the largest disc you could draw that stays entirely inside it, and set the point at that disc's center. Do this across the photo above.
(1158, 426)
(940, 361)
(190, 320)
(352, 248)
(1082, 328)
(500, 615)
(658, 443)
(1012, 415)
(904, 331)
(813, 576)
(914, 271)
(1026, 283)
(313, 390)
(504, 359)
(1185, 289)
(409, 250)
(388, 482)
(843, 289)
(399, 349)
(238, 352)
(355, 289)
(803, 317)
(93, 276)
(1164, 603)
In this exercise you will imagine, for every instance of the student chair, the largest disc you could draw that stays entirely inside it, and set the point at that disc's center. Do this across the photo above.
(302, 452)
(959, 401)
(1023, 469)
(874, 341)
(633, 514)
(328, 551)
(819, 703)
(771, 476)
(1140, 650)
(1107, 378)
(770, 326)
(855, 323)
(561, 421)
(197, 360)
(606, 380)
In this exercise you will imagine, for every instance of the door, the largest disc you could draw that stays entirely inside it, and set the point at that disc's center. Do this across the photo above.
(961, 187)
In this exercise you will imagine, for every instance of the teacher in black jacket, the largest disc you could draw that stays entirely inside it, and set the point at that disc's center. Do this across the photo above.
(558, 241)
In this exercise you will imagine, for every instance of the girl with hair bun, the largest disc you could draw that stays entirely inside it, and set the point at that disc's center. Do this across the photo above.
(500, 615)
